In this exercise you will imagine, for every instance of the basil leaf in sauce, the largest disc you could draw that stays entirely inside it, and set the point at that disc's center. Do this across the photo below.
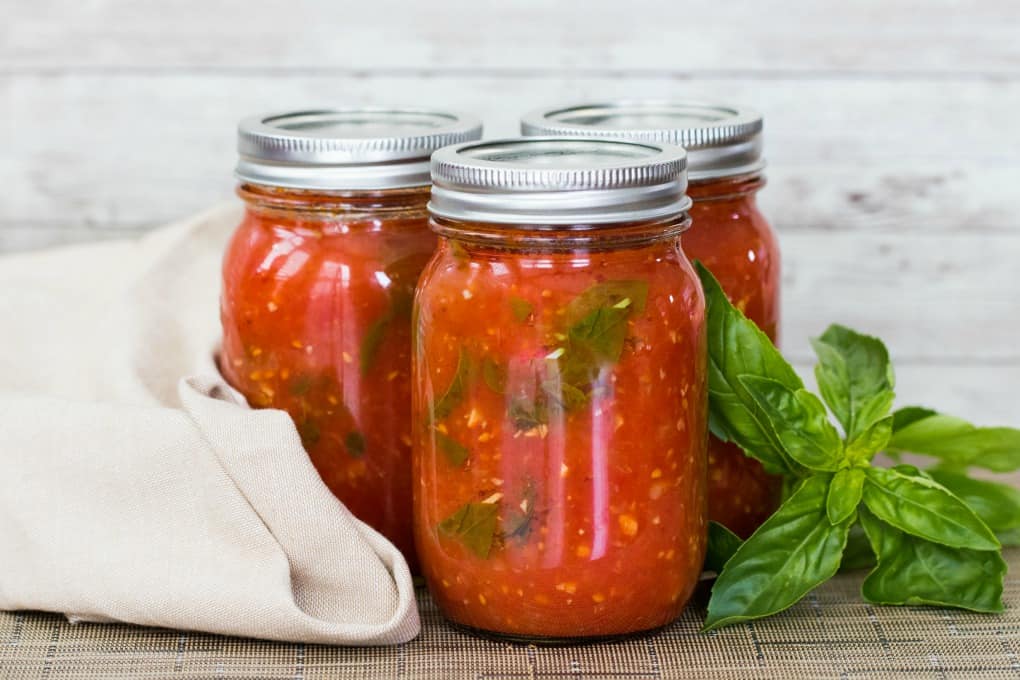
(354, 442)
(792, 552)
(403, 275)
(954, 441)
(399, 311)
(594, 336)
(622, 294)
(527, 414)
(454, 451)
(494, 375)
(564, 396)
(309, 432)
(800, 422)
(913, 571)
(518, 521)
(458, 386)
(923, 508)
(521, 308)
(722, 543)
(599, 337)
(736, 347)
(854, 376)
(845, 491)
(474, 525)
(300, 385)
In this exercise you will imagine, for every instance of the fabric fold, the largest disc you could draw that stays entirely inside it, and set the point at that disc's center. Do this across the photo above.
(136, 486)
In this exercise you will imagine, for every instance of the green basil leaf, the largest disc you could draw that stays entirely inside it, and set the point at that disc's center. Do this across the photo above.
(521, 308)
(599, 337)
(494, 375)
(519, 519)
(405, 271)
(737, 347)
(458, 386)
(371, 342)
(597, 328)
(873, 439)
(845, 493)
(622, 294)
(564, 396)
(914, 571)
(300, 385)
(722, 543)
(794, 551)
(858, 553)
(474, 525)
(454, 451)
(910, 414)
(403, 274)
(922, 508)
(399, 310)
(998, 505)
(527, 414)
(354, 442)
(955, 441)
(854, 376)
(799, 420)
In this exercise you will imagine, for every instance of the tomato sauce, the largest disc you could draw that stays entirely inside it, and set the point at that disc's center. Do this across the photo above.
(316, 309)
(732, 238)
(560, 422)
(729, 235)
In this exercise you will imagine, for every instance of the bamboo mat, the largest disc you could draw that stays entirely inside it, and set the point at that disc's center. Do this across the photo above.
(830, 634)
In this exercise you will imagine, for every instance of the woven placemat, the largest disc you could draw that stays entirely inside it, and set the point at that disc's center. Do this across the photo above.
(831, 634)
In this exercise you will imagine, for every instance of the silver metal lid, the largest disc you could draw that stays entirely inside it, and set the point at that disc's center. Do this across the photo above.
(556, 181)
(721, 140)
(340, 149)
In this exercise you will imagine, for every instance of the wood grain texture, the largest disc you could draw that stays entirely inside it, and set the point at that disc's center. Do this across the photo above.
(801, 36)
(891, 132)
(127, 150)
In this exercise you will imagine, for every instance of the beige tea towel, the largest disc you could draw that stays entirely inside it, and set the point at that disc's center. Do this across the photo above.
(136, 486)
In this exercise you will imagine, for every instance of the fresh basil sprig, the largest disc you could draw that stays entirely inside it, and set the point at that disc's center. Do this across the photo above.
(931, 537)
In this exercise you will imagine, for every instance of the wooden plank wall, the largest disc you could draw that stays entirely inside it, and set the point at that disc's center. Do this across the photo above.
(893, 133)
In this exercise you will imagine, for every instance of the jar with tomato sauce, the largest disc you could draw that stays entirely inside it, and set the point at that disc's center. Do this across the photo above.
(559, 401)
(318, 282)
(728, 234)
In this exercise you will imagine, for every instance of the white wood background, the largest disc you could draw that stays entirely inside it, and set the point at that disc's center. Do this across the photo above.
(893, 132)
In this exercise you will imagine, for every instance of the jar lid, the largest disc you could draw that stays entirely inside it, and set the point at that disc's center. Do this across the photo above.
(721, 140)
(340, 149)
(557, 180)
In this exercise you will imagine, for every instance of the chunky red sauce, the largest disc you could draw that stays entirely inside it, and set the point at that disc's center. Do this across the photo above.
(733, 239)
(316, 308)
(560, 416)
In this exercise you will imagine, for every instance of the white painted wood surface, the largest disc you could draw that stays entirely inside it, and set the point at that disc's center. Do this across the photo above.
(893, 132)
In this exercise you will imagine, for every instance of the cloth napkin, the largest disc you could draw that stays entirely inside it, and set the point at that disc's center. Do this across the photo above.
(137, 486)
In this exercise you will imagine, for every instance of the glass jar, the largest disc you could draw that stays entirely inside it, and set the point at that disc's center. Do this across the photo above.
(318, 282)
(559, 402)
(729, 235)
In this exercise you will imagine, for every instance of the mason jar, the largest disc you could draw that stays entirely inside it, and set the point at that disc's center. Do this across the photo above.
(318, 282)
(729, 235)
(559, 400)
